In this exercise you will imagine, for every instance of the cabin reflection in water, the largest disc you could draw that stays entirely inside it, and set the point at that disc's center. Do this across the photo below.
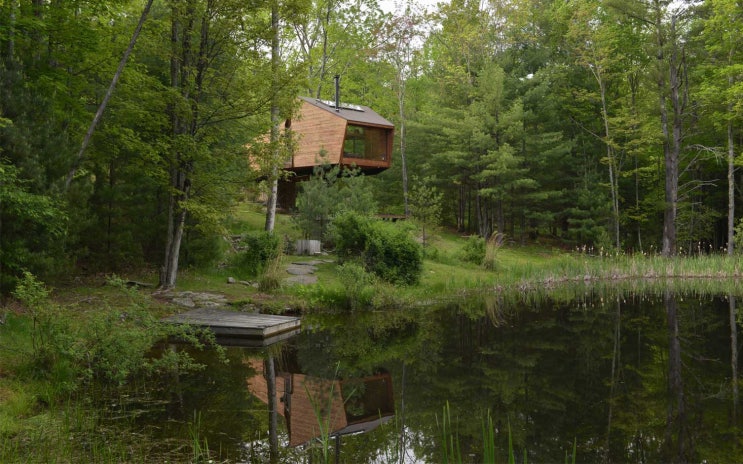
(349, 406)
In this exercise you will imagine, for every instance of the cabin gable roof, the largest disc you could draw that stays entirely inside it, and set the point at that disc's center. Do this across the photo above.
(354, 114)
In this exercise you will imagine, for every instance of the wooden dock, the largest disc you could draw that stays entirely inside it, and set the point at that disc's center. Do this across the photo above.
(236, 328)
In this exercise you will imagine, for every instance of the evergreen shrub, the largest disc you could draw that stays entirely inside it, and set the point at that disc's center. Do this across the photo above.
(202, 251)
(738, 237)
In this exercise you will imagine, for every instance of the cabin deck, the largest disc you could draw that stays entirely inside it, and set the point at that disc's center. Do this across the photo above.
(237, 327)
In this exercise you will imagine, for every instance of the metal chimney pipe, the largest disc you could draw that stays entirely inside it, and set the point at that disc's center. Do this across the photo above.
(337, 79)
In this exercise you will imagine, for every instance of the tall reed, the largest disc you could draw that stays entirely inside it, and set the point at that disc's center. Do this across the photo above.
(322, 408)
(488, 439)
(273, 273)
(450, 439)
(451, 448)
(199, 448)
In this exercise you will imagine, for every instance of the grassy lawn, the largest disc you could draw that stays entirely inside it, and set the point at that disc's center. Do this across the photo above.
(445, 271)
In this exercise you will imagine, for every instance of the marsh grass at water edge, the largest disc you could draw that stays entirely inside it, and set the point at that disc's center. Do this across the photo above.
(451, 449)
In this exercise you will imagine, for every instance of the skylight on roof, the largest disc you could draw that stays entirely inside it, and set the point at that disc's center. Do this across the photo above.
(345, 106)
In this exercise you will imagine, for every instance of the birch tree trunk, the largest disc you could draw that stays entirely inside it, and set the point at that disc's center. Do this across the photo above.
(674, 153)
(670, 162)
(613, 166)
(403, 159)
(276, 150)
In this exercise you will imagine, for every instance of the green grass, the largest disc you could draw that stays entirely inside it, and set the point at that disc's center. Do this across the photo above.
(445, 273)
(252, 216)
(69, 432)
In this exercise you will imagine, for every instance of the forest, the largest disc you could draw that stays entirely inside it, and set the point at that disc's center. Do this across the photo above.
(125, 125)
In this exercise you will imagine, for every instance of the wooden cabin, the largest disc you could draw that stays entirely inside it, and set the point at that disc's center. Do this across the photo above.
(347, 135)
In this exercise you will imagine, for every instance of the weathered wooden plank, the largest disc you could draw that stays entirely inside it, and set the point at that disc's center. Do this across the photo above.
(235, 324)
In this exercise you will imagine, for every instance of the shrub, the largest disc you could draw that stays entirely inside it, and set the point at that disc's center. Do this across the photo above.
(738, 237)
(34, 229)
(473, 250)
(386, 249)
(357, 283)
(110, 346)
(260, 248)
(393, 255)
(350, 232)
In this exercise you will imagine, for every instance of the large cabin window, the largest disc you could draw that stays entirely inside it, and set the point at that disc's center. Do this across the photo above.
(369, 143)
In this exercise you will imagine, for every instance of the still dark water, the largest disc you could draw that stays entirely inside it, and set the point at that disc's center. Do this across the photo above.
(624, 377)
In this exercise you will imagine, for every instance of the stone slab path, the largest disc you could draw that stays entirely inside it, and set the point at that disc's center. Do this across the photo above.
(302, 272)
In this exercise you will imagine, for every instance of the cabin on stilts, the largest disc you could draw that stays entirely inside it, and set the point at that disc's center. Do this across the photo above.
(344, 134)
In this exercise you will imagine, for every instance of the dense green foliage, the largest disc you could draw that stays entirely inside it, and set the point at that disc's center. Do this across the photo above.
(350, 232)
(32, 227)
(387, 250)
(473, 250)
(329, 192)
(110, 347)
(592, 123)
(393, 255)
(257, 250)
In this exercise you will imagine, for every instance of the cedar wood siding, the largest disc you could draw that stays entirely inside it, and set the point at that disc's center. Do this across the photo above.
(317, 129)
(320, 127)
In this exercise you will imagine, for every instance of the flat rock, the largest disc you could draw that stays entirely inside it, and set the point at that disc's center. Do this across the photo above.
(197, 299)
(301, 270)
(186, 302)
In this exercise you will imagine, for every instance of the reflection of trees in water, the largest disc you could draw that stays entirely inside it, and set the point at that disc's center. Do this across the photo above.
(734, 421)
(631, 377)
(600, 369)
(616, 361)
(677, 443)
(273, 427)
(734, 355)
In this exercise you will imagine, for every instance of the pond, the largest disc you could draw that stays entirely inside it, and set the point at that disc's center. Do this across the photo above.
(611, 377)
